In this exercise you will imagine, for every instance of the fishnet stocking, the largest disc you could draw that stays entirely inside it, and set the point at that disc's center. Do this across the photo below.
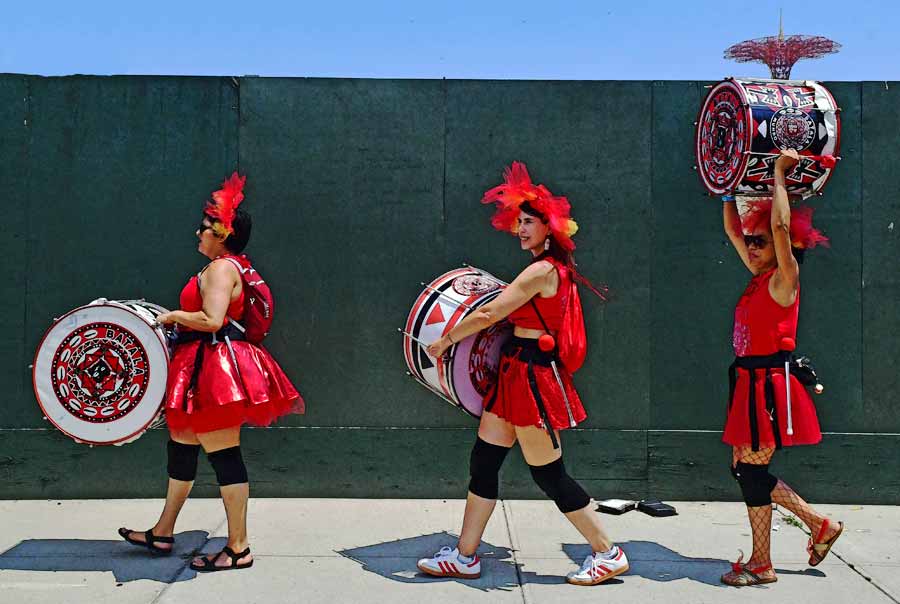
(785, 496)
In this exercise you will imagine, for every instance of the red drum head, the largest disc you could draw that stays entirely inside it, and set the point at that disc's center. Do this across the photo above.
(744, 124)
(469, 368)
(100, 372)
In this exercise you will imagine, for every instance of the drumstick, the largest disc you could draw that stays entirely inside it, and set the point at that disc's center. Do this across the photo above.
(565, 397)
(788, 345)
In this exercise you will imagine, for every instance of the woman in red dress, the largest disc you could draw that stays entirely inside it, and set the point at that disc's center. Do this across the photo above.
(763, 416)
(534, 397)
(217, 382)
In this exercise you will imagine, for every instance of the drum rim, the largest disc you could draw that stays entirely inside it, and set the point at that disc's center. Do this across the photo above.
(40, 403)
(734, 83)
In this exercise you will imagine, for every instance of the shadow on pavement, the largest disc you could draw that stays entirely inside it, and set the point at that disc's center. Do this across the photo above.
(396, 560)
(126, 562)
(659, 563)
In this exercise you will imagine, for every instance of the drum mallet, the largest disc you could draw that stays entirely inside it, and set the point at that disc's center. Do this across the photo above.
(788, 345)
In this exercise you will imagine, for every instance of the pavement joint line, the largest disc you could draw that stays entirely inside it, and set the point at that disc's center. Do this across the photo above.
(187, 562)
(514, 546)
(870, 580)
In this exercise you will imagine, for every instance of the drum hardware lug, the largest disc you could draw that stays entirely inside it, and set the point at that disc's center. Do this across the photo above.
(693, 167)
(45, 418)
(31, 366)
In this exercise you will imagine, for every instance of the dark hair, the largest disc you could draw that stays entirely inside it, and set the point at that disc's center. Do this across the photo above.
(241, 225)
(555, 251)
(798, 252)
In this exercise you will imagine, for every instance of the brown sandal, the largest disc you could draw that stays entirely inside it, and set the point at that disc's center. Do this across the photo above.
(819, 549)
(742, 575)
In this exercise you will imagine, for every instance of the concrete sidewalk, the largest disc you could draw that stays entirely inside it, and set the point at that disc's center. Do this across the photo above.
(341, 550)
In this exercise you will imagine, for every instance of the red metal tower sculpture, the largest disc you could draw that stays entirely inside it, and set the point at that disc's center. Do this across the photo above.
(780, 52)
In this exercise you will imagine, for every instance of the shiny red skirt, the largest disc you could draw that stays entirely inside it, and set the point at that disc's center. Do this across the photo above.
(248, 388)
(737, 427)
(526, 385)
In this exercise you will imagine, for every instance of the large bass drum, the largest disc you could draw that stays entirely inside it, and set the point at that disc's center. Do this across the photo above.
(100, 371)
(469, 368)
(744, 124)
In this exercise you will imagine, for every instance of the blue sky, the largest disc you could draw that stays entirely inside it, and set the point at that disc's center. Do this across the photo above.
(486, 40)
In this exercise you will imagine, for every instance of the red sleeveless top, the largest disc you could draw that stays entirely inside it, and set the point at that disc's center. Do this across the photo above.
(760, 322)
(190, 299)
(552, 309)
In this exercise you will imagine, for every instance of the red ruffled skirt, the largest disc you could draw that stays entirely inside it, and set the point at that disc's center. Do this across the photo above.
(515, 395)
(256, 392)
(737, 426)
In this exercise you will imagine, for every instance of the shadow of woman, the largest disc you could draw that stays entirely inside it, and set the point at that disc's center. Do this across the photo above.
(125, 561)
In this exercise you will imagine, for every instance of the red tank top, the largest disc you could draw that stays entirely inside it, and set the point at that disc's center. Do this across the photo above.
(190, 299)
(760, 322)
(552, 309)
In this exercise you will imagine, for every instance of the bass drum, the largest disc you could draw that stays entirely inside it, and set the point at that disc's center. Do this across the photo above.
(744, 125)
(469, 368)
(100, 371)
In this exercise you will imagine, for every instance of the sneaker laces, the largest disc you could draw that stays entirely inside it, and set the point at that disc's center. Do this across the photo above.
(445, 551)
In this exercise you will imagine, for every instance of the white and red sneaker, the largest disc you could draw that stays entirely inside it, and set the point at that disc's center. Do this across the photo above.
(597, 569)
(446, 563)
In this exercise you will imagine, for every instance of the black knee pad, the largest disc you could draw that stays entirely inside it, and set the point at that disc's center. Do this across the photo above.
(182, 463)
(484, 468)
(756, 483)
(559, 486)
(229, 466)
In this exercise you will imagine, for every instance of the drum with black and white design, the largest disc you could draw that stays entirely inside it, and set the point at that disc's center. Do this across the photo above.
(100, 371)
(744, 124)
(469, 368)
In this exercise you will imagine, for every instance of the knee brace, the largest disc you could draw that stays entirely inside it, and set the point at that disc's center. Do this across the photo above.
(484, 468)
(229, 466)
(559, 486)
(756, 483)
(182, 463)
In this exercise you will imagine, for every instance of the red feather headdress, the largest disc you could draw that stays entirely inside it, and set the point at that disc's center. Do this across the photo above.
(803, 234)
(225, 201)
(516, 189)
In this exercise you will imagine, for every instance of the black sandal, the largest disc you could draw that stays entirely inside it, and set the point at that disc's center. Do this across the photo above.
(151, 541)
(209, 565)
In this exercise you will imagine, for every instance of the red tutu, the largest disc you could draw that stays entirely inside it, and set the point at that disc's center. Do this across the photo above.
(513, 399)
(805, 421)
(257, 392)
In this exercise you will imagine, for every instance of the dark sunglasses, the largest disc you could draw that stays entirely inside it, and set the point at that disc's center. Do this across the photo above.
(203, 227)
(757, 241)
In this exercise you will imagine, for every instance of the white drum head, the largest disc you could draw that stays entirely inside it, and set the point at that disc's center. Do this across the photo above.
(100, 373)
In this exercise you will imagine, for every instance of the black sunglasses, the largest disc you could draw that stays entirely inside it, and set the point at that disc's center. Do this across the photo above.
(203, 227)
(757, 241)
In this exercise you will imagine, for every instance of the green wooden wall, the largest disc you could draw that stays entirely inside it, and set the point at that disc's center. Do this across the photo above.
(360, 189)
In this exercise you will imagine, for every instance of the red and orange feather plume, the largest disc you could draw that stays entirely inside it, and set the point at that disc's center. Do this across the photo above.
(225, 202)
(518, 188)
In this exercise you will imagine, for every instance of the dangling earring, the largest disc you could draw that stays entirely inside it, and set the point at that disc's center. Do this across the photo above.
(547, 243)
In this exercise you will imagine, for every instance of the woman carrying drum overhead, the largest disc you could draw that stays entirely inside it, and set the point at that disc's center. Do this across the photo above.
(766, 411)
(217, 382)
(534, 397)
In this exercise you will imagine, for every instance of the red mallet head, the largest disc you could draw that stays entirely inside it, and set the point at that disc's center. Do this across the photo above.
(788, 344)
(827, 161)
(546, 342)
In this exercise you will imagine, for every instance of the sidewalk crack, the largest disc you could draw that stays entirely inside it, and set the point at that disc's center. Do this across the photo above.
(514, 547)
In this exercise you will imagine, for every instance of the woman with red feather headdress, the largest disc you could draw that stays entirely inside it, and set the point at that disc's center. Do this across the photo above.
(766, 411)
(534, 397)
(217, 382)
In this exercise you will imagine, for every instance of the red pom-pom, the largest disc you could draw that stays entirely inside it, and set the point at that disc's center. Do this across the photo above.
(788, 344)
(546, 342)
(827, 161)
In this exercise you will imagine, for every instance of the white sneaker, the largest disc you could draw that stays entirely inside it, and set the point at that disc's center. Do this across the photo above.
(446, 563)
(596, 569)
